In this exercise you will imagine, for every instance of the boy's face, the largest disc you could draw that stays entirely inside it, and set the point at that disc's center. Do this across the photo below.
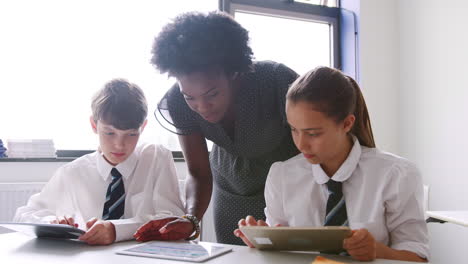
(115, 144)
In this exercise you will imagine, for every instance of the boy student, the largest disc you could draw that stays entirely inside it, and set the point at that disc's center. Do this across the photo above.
(340, 178)
(114, 190)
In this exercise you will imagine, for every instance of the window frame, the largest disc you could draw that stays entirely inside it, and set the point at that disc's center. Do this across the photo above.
(296, 10)
(70, 155)
(279, 8)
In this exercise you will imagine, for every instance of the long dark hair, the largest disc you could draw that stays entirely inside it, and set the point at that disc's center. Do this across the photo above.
(337, 95)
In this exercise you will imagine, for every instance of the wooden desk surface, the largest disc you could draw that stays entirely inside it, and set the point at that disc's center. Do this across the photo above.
(19, 248)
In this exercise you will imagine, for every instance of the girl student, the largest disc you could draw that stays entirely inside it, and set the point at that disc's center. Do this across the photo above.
(340, 178)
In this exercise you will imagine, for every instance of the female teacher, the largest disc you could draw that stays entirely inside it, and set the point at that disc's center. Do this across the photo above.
(223, 96)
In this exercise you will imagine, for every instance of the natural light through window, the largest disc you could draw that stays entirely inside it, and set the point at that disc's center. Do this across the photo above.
(55, 54)
(300, 44)
(331, 3)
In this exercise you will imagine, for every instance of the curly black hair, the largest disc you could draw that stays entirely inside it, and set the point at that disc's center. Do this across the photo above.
(199, 42)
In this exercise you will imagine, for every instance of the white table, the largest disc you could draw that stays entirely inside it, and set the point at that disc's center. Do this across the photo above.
(455, 217)
(19, 248)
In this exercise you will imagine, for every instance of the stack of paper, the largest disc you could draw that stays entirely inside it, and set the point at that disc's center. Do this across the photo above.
(31, 148)
(2, 150)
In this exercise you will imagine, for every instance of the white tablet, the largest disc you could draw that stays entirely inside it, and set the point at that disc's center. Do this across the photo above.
(177, 250)
(45, 230)
(324, 239)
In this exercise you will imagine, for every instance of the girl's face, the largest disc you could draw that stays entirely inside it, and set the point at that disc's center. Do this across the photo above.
(209, 94)
(320, 138)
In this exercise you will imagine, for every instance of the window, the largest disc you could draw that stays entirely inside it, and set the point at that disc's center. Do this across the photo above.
(331, 3)
(298, 34)
(55, 54)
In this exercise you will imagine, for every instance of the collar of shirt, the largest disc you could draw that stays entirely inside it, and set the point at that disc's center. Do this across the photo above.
(125, 168)
(346, 169)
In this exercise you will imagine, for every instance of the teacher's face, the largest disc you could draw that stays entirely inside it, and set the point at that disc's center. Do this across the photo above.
(207, 93)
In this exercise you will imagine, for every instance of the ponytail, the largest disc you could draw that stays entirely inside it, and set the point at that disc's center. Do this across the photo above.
(362, 127)
(336, 95)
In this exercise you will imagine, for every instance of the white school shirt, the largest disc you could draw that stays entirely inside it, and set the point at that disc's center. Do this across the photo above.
(79, 188)
(383, 193)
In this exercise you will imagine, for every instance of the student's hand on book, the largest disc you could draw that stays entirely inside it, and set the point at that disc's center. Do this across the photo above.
(64, 220)
(361, 245)
(248, 221)
(99, 232)
(169, 228)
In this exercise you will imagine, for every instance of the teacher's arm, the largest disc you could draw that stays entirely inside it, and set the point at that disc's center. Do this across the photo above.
(199, 183)
(198, 187)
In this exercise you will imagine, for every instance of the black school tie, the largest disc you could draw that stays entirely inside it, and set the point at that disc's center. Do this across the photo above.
(114, 206)
(336, 206)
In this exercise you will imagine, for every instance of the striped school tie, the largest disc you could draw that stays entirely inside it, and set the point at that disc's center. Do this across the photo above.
(115, 198)
(336, 206)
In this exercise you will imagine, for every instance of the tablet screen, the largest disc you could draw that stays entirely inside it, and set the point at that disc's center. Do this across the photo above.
(194, 251)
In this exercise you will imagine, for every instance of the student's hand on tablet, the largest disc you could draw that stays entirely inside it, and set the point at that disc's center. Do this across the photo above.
(169, 228)
(248, 221)
(99, 232)
(64, 220)
(361, 245)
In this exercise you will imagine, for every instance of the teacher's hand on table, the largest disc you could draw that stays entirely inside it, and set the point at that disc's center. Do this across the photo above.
(169, 228)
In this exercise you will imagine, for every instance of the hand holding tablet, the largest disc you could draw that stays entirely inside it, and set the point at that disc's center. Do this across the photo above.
(324, 239)
(259, 235)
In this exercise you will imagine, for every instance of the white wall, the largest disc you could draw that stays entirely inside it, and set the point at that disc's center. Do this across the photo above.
(434, 120)
(378, 56)
(413, 67)
(434, 96)
(27, 171)
(43, 171)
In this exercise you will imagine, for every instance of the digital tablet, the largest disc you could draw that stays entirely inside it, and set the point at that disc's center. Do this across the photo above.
(323, 239)
(177, 250)
(45, 230)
